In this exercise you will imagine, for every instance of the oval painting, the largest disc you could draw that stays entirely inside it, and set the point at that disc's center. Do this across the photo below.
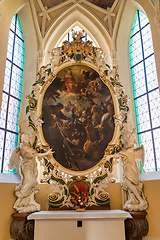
(78, 119)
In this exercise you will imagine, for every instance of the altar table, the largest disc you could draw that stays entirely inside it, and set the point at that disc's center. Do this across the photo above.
(72, 225)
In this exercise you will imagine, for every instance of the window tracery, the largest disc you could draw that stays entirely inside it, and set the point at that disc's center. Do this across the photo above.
(12, 91)
(145, 90)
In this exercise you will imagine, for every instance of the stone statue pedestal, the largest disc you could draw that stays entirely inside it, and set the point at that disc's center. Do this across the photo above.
(21, 228)
(137, 226)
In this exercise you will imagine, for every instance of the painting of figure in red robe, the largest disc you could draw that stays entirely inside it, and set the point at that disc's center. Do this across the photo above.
(78, 114)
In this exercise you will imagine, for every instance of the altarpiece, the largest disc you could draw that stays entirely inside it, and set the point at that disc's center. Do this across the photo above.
(78, 128)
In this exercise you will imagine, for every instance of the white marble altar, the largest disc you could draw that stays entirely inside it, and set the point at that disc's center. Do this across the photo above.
(101, 225)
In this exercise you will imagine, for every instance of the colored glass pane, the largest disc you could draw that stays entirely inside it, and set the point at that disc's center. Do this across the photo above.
(145, 90)
(12, 90)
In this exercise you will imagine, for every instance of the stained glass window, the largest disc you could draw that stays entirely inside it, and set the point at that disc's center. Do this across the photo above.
(69, 37)
(145, 90)
(12, 90)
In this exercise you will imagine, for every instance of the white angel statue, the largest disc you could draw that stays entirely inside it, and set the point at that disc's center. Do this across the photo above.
(133, 197)
(134, 188)
(25, 192)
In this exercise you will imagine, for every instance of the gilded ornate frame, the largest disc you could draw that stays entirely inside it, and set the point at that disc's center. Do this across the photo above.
(77, 53)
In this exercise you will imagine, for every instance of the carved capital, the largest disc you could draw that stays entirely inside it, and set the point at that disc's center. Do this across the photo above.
(136, 227)
(21, 228)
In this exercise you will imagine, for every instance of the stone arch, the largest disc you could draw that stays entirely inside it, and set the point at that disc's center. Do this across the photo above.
(85, 19)
(26, 21)
(82, 27)
(30, 60)
(122, 43)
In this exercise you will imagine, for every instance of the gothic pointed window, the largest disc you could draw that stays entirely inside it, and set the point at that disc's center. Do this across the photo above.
(12, 91)
(145, 90)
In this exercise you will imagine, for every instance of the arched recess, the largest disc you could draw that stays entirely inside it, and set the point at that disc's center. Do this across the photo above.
(86, 20)
(25, 18)
(122, 44)
(14, 7)
(83, 28)
(30, 62)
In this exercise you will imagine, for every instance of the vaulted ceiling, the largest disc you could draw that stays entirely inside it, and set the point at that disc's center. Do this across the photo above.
(100, 3)
(48, 12)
